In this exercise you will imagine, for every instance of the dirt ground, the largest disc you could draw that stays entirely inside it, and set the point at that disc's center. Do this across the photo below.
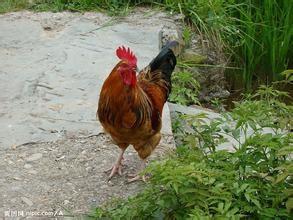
(66, 175)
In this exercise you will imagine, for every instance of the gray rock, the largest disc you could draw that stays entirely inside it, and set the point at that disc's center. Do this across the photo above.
(66, 202)
(27, 166)
(27, 201)
(32, 172)
(168, 34)
(17, 178)
(34, 157)
(194, 57)
(193, 110)
(65, 51)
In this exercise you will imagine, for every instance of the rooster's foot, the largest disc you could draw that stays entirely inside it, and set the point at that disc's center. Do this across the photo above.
(114, 169)
(117, 167)
(136, 177)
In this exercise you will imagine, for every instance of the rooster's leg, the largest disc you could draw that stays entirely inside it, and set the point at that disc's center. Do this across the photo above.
(117, 167)
(136, 176)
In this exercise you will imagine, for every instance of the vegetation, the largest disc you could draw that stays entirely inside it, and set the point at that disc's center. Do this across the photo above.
(185, 88)
(200, 182)
(12, 5)
(256, 34)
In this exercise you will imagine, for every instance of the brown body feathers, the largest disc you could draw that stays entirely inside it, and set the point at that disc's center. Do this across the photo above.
(132, 112)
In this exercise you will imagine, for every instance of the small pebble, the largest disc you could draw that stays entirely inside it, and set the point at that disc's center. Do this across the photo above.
(66, 202)
(27, 201)
(34, 157)
(32, 171)
(104, 187)
(17, 178)
(27, 166)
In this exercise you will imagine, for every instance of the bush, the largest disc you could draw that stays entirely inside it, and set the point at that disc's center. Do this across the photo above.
(185, 88)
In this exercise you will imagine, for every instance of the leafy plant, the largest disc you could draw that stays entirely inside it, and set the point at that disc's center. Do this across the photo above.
(185, 88)
(265, 108)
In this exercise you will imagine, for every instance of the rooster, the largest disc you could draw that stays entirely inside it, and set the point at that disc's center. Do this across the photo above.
(130, 105)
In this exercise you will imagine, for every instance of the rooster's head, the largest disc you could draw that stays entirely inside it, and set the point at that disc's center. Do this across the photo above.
(128, 66)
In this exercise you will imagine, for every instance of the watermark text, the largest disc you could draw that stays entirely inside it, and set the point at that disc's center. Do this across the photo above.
(21, 213)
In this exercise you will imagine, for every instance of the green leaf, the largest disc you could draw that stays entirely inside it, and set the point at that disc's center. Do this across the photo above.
(227, 206)
(288, 74)
(243, 187)
(232, 212)
(175, 186)
(247, 196)
(236, 133)
(256, 202)
(281, 177)
(289, 204)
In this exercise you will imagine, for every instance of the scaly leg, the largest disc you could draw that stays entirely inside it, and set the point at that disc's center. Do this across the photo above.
(117, 167)
(136, 176)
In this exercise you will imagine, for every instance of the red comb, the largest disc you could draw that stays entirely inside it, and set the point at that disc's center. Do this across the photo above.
(126, 54)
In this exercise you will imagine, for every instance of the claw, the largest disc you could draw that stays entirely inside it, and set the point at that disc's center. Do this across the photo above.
(131, 175)
(136, 178)
(106, 171)
(115, 169)
(120, 170)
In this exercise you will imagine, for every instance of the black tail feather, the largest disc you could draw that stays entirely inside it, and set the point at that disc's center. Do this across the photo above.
(165, 61)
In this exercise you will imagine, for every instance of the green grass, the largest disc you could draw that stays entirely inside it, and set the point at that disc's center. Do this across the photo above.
(265, 39)
(256, 35)
(12, 5)
(81, 5)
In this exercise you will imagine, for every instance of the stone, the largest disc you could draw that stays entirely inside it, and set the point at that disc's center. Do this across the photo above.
(60, 158)
(65, 51)
(66, 202)
(34, 157)
(27, 201)
(193, 110)
(194, 57)
(168, 34)
(27, 166)
(17, 178)
(32, 172)
(104, 186)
